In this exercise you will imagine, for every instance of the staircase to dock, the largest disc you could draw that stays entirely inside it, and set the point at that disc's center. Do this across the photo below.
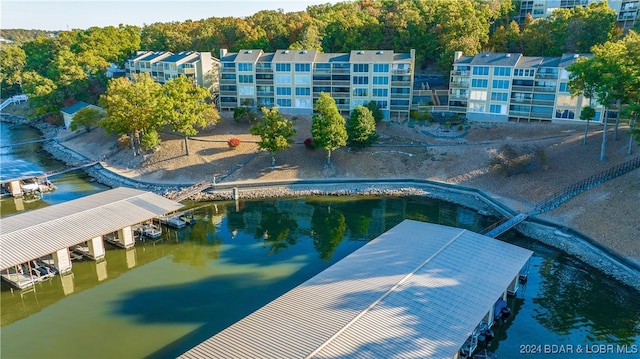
(190, 191)
(505, 225)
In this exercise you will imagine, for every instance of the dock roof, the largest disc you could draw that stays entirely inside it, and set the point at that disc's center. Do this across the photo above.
(34, 234)
(418, 290)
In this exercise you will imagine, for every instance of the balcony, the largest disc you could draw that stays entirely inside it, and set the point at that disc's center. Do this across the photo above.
(321, 71)
(460, 73)
(321, 83)
(401, 84)
(340, 95)
(227, 81)
(547, 76)
(399, 108)
(401, 71)
(521, 101)
(519, 113)
(540, 116)
(264, 70)
(264, 81)
(400, 95)
(522, 88)
(187, 71)
(458, 109)
(227, 70)
(545, 89)
(459, 97)
(460, 85)
(340, 71)
(340, 83)
(265, 93)
(543, 102)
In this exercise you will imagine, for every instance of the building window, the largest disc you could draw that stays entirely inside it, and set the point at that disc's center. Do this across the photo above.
(283, 91)
(566, 114)
(302, 79)
(523, 72)
(245, 66)
(245, 79)
(479, 83)
(564, 87)
(303, 91)
(360, 80)
(360, 92)
(380, 80)
(502, 109)
(246, 90)
(380, 92)
(229, 77)
(481, 70)
(567, 100)
(284, 102)
(360, 67)
(303, 67)
(382, 104)
(501, 71)
(477, 107)
(283, 79)
(303, 103)
(478, 95)
(380, 67)
(499, 96)
(283, 67)
(500, 84)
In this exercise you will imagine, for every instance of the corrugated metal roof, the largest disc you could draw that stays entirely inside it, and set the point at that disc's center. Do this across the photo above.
(36, 233)
(418, 290)
(181, 56)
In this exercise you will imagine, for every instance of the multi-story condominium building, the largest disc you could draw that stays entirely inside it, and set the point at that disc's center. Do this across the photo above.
(626, 10)
(162, 66)
(509, 86)
(292, 80)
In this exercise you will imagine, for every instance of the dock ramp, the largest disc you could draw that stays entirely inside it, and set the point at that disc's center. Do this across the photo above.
(506, 225)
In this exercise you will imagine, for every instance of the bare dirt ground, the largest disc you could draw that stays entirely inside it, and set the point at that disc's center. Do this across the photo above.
(608, 213)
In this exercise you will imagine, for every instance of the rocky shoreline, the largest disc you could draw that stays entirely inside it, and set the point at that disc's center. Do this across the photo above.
(565, 239)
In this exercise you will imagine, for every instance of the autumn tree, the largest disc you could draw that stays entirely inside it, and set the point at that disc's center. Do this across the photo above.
(12, 62)
(188, 107)
(135, 108)
(328, 127)
(87, 118)
(275, 132)
(361, 127)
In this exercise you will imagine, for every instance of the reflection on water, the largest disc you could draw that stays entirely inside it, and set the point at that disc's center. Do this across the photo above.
(70, 185)
(161, 299)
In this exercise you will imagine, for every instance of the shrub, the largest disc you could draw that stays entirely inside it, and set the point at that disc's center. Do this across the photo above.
(234, 142)
(308, 143)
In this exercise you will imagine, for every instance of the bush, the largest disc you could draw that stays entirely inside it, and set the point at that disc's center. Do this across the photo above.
(308, 143)
(234, 142)
(244, 114)
(510, 160)
(150, 140)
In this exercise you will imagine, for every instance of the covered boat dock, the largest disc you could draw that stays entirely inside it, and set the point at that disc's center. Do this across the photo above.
(18, 177)
(26, 238)
(419, 290)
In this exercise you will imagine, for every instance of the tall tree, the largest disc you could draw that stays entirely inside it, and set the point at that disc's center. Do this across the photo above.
(328, 127)
(135, 108)
(188, 107)
(87, 118)
(275, 132)
(587, 114)
(12, 62)
(361, 127)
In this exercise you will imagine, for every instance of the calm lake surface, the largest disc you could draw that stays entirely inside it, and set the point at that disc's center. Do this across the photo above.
(160, 299)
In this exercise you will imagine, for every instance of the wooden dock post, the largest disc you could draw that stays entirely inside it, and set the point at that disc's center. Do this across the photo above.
(235, 193)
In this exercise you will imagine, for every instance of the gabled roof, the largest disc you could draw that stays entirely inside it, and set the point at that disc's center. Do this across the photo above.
(248, 55)
(496, 59)
(418, 290)
(299, 56)
(33, 234)
(331, 57)
(181, 56)
(371, 56)
(153, 56)
(71, 110)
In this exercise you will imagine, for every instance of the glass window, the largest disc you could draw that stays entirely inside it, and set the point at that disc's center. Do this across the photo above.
(380, 80)
(303, 103)
(478, 95)
(380, 67)
(245, 66)
(283, 67)
(382, 104)
(481, 70)
(380, 92)
(498, 109)
(360, 67)
(564, 87)
(228, 77)
(476, 107)
(245, 90)
(501, 71)
(479, 83)
(500, 84)
(360, 80)
(302, 79)
(303, 91)
(283, 91)
(303, 67)
(499, 96)
(245, 79)
(283, 79)
(284, 102)
(360, 92)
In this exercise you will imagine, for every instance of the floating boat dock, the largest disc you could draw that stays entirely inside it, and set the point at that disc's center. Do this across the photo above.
(419, 290)
(80, 225)
(18, 177)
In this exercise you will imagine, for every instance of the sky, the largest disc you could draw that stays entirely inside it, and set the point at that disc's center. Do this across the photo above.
(81, 14)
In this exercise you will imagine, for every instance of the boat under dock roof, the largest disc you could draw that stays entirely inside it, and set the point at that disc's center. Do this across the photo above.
(33, 234)
(417, 291)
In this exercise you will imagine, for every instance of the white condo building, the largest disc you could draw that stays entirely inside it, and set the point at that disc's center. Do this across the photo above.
(513, 87)
(292, 80)
(626, 10)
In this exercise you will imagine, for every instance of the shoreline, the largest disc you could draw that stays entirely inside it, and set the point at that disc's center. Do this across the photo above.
(566, 239)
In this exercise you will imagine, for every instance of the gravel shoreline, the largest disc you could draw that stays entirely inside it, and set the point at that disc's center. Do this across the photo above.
(563, 238)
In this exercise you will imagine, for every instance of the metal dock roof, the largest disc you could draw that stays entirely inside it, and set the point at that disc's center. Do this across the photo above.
(418, 290)
(36, 233)
(15, 170)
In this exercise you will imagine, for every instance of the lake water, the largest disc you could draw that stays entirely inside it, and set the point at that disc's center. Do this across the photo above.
(160, 299)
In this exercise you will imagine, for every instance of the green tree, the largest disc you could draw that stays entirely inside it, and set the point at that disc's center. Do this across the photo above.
(87, 118)
(12, 62)
(587, 114)
(135, 108)
(275, 132)
(361, 127)
(328, 127)
(188, 108)
(377, 113)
